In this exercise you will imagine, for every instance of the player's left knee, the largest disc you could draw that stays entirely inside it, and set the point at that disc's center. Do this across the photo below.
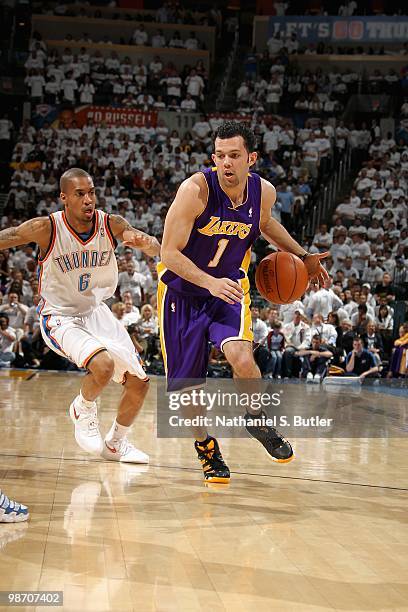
(244, 366)
(136, 385)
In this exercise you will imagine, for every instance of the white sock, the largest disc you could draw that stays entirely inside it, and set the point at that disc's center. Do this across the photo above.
(117, 431)
(83, 403)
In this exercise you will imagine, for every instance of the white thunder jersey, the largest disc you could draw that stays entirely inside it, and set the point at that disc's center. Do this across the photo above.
(77, 275)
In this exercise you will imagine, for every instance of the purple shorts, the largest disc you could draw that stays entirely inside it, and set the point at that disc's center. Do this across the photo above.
(188, 323)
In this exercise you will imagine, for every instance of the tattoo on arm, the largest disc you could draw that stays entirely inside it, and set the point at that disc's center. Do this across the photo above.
(125, 225)
(121, 222)
(9, 234)
(10, 237)
(35, 224)
(147, 244)
(34, 230)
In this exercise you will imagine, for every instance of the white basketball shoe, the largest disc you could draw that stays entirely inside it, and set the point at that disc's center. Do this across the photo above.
(87, 432)
(122, 450)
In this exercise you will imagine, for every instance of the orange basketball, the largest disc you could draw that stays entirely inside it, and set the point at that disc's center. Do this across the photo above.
(281, 278)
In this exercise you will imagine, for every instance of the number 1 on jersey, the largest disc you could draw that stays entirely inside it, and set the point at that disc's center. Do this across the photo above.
(222, 245)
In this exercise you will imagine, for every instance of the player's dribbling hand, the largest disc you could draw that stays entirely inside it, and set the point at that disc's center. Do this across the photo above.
(226, 289)
(316, 271)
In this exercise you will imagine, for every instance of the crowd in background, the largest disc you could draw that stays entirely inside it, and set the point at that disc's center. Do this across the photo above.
(136, 175)
(274, 84)
(368, 265)
(137, 170)
(66, 78)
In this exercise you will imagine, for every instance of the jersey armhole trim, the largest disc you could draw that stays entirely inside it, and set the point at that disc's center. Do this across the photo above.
(260, 205)
(51, 243)
(109, 231)
(208, 195)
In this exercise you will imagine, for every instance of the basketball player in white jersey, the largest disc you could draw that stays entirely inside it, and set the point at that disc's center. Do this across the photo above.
(78, 271)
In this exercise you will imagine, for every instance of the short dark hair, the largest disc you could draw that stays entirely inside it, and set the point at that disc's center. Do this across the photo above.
(229, 129)
(3, 315)
(70, 174)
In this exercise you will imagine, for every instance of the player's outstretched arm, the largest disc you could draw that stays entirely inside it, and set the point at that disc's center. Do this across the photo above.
(34, 230)
(132, 237)
(189, 203)
(276, 234)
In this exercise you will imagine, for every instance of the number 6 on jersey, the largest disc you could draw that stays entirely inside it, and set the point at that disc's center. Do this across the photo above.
(83, 281)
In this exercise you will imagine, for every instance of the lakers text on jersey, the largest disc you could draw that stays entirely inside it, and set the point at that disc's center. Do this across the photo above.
(221, 238)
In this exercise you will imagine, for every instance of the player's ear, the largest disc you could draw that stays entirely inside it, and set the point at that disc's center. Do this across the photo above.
(213, 157)
(252, 157)
(63, 197)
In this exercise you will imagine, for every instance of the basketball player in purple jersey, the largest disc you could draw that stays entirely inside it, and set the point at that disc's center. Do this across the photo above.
(203, 291)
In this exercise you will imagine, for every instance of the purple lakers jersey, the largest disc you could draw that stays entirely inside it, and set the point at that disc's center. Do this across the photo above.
(221, 238)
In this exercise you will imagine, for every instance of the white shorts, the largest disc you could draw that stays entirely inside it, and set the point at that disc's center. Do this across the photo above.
(81, 338)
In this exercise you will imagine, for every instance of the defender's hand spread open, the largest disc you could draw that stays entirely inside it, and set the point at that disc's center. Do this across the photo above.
(226, 289)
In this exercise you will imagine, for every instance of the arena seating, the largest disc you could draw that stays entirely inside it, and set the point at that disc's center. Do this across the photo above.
(341, 185)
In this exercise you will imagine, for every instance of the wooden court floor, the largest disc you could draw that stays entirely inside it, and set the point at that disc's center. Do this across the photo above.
(326, 532)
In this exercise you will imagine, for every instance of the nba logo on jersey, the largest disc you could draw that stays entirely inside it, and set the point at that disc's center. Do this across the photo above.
(102, 231)
(250, 212)
(173, 307)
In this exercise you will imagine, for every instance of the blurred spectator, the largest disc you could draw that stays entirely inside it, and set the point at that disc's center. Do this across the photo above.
(6, 133)
(385, 289)
(15, 311)
(345, 340)
(7, 340)
(315, 359)
(32, 342)
(324, 301)
(140, 36)
(132, 282)
(399, 358)
(384, 319)
(131, 312)
(298, 336)
(276, 344)
(145, 333)
(360, 362)
(326, 331)
(259, 327)
(372, 341)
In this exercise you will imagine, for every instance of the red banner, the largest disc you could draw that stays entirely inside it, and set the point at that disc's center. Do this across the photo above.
(108, 115)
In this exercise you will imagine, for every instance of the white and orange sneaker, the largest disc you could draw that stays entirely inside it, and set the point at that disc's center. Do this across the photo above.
(122, 450)
(87, 432)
